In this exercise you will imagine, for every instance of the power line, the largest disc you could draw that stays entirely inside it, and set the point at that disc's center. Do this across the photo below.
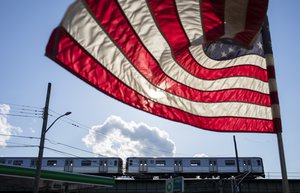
(17, 143)
(33, 112)
(58, 143)
(20, 115)
(23, 111)
(50, 140)
(62, 152)
(16, 146)
(19, 136)
(21, 106)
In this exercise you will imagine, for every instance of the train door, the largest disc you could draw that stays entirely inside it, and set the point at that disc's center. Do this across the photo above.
(143, 165)
(247, 165)
(213, 168)
(103, 166)
(68, 165)
(177, 166)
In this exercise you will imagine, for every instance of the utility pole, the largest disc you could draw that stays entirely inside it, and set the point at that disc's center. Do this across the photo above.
(285, 182)
(236, 156)
(42, 142)
(238, 187)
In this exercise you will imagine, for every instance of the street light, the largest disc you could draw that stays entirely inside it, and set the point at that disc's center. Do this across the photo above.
(41, 148)
(66, 114)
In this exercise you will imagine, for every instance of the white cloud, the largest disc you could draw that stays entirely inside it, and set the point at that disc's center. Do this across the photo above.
(115, 137)
(5, 128)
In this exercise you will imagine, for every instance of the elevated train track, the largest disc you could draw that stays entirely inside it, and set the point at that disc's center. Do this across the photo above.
(13, 184)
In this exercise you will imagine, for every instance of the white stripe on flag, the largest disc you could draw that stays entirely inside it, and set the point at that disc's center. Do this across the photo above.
(199, 54)
(189, 14)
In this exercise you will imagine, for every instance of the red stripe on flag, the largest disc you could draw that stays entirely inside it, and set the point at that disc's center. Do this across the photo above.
(166, 16)
(213, 19)
(66, 52)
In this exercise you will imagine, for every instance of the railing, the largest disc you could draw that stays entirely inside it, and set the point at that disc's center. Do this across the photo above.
(277, 175)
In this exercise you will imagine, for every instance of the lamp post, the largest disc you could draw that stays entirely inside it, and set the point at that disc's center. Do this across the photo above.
(42, 140)
(41, 151)
(66, 114)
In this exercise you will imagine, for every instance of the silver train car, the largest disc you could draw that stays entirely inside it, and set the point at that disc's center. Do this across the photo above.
(193, 167)
(104, 166)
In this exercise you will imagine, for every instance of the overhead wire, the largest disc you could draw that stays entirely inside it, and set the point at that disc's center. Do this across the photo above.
(19, 136)
(62, 152)
(47, 139)
(23, 111)
(58, 143)
(20, 106)
(20, 115)
(11, 146)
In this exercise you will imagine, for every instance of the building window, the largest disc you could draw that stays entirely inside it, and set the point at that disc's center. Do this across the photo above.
(51, 162)
(86, 162)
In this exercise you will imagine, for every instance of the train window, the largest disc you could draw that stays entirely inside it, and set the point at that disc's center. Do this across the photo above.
(195, 163)
(160, 162)
(130, 162)
(115, 163)
(248, 162)
(51, 162)
(258, 162)
(18, 162)
(212, 162)
(86, 162)
(33, 163)
(177, 163)
(104, 163)
(2, 161)
(229, 162)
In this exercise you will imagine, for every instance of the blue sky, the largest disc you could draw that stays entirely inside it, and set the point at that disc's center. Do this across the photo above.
(25, 73)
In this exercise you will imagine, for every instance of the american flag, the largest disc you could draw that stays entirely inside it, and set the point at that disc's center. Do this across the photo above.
(188, 61)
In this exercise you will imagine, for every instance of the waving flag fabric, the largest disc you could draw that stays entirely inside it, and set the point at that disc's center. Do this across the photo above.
(165, 58)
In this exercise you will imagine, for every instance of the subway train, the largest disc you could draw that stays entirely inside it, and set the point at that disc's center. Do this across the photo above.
(147, 167)
(193, 167)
